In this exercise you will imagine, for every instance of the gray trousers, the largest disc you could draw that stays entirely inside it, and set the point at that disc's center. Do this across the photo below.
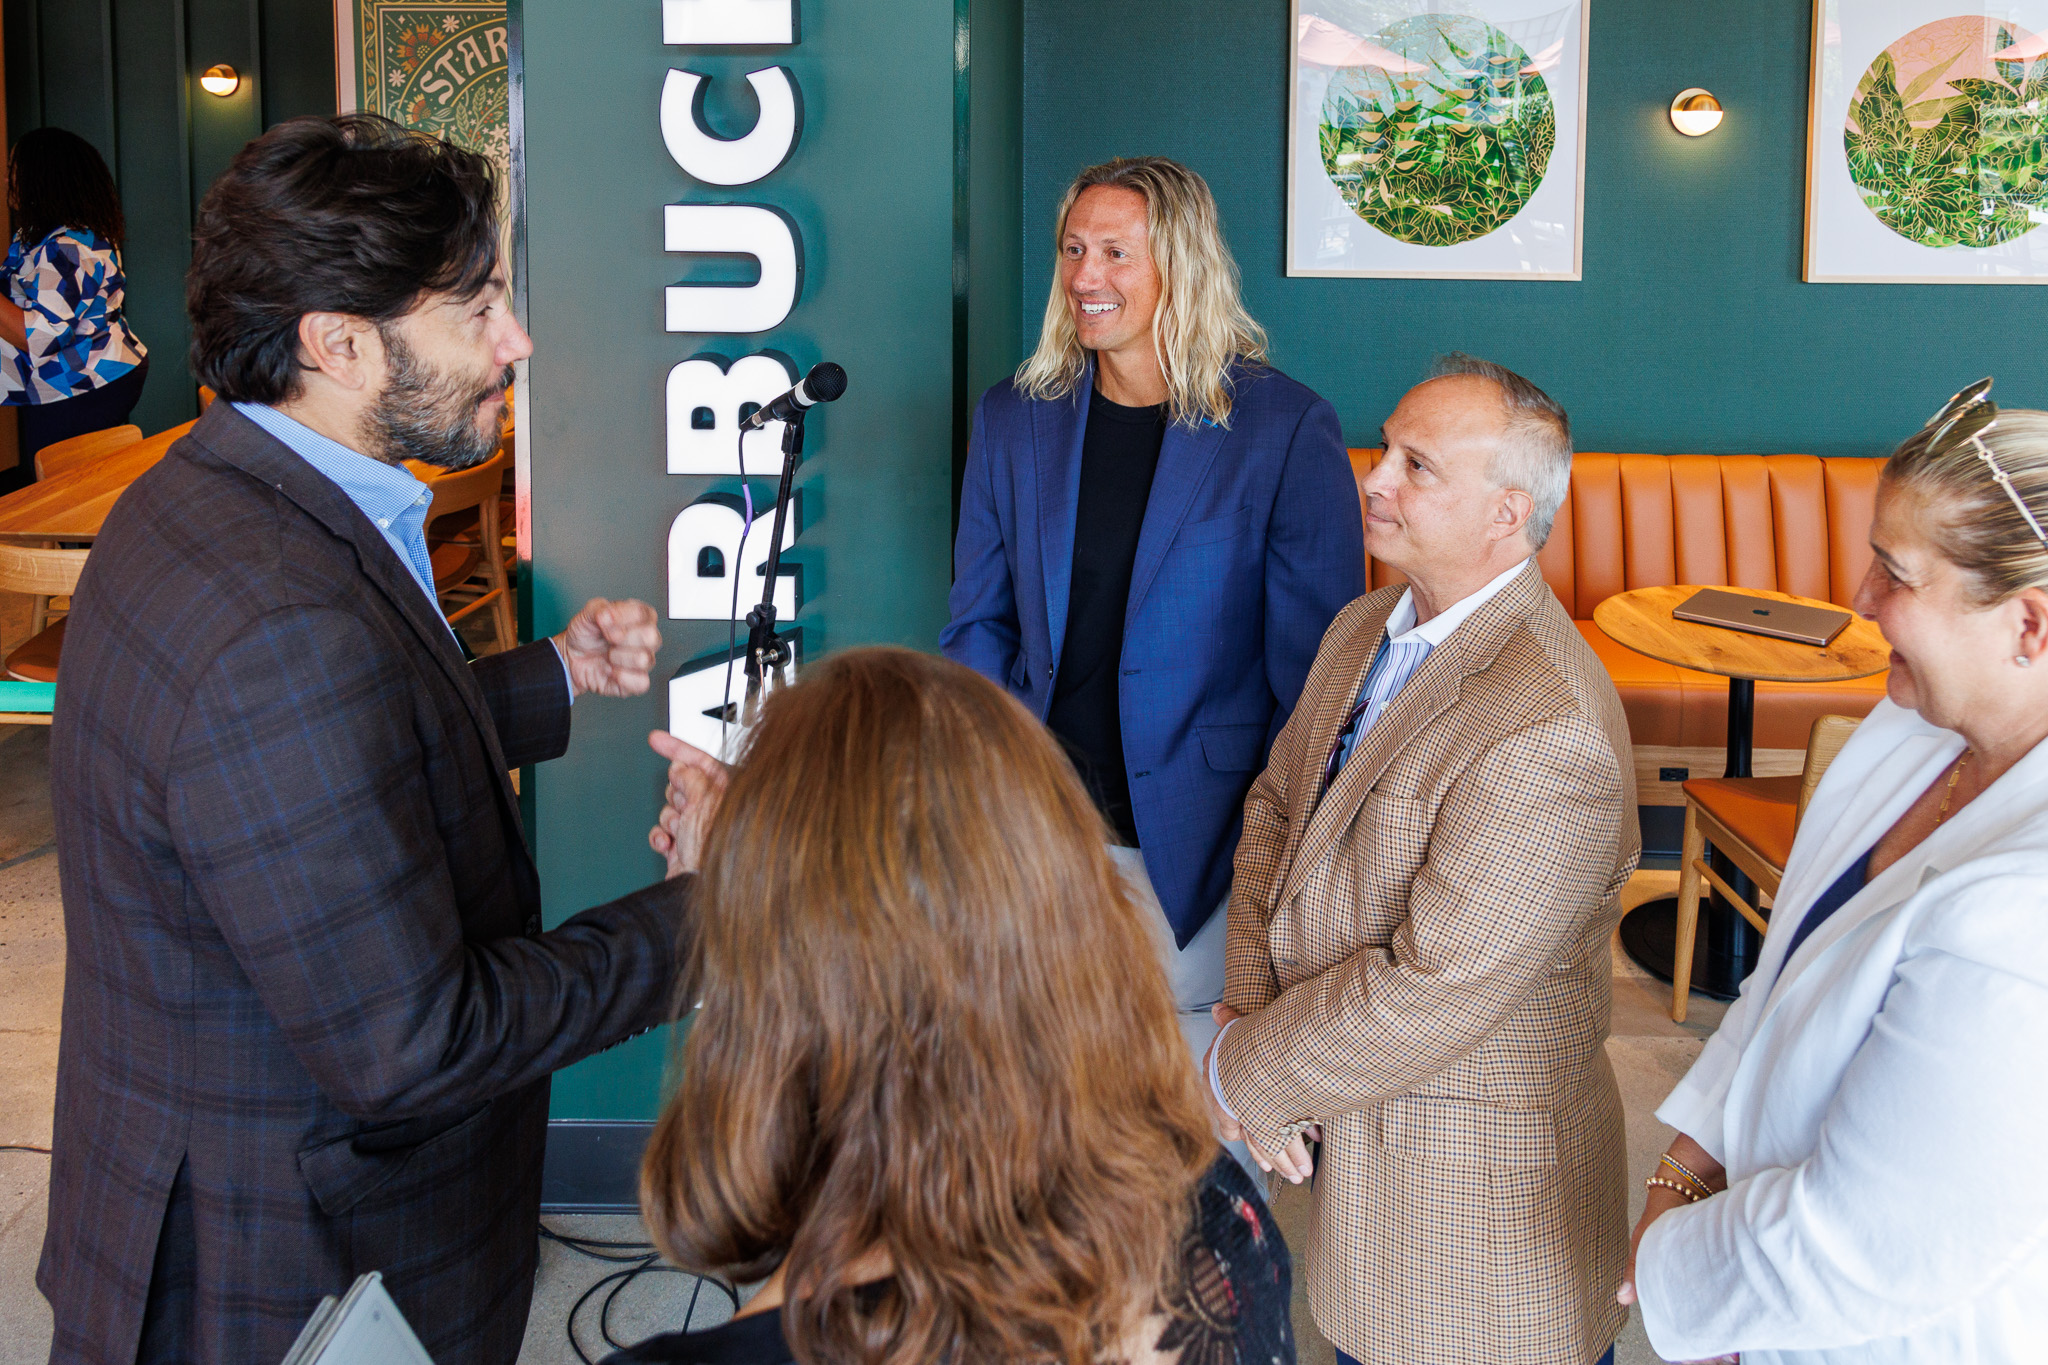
(1195, 974)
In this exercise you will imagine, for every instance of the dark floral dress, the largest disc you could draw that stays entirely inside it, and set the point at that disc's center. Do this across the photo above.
(1231, 1307)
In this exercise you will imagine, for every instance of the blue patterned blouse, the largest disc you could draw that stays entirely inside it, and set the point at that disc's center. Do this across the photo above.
(72, 297)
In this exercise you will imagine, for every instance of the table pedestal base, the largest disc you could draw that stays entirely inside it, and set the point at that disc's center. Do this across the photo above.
(1649, 935)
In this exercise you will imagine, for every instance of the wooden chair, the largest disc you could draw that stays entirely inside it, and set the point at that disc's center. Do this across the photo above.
(44, 573)
(206, 397)
(464, 542)
(1752, 821)
(70, 454)
(78, 450)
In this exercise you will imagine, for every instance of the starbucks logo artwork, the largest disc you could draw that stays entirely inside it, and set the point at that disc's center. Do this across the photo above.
(440, 68)
(1947, 133)
(1443, 135)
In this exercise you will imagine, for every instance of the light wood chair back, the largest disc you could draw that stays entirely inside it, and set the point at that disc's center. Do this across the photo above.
(1823, 742)
(469, 560)
(43, 574)
(47, 573)
(69, 454)
(206, 397)
(458, 490)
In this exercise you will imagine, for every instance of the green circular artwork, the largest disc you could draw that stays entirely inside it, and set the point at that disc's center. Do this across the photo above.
(1444, 132)
(1947, 133)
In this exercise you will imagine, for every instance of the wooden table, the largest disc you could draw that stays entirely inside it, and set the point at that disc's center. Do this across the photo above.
(72, 505)
(1641, 620)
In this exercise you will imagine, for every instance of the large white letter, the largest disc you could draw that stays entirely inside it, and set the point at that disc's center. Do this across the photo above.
(704, 405)
(703, 546)
(708, 22)
(730, 161)
(703, 689)
(733, 229)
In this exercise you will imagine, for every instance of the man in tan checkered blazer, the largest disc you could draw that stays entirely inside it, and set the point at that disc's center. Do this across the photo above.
(1431, 867)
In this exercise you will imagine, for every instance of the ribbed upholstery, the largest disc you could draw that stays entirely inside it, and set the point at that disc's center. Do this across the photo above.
(1789, 523)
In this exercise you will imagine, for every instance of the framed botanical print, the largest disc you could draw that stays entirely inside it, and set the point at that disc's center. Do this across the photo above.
(440, 68)
(1927, 143)
(1437, 141)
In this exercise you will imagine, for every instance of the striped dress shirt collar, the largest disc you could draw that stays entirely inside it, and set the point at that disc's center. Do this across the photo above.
(1406, 646)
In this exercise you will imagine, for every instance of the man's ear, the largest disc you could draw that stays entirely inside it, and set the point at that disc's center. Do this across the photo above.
(343, 347)
(1511, 514)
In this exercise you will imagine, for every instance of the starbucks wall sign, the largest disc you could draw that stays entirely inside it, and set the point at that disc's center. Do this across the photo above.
(439, 68)
(1927, 152)
(1437, 138)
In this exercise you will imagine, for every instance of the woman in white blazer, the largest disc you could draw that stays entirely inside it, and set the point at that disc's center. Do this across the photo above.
(1862, 1168)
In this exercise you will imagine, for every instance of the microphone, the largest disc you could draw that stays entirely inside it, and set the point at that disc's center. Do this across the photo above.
(823, 384)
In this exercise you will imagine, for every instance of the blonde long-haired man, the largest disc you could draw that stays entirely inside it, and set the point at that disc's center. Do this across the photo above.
(1155, 530)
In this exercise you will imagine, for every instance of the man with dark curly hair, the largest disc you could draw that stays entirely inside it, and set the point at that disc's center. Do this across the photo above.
(309, 1012)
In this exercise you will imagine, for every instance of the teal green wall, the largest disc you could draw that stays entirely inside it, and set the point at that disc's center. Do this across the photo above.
(1691, 331)
(875, 187)
(991, 191)
(123, 74)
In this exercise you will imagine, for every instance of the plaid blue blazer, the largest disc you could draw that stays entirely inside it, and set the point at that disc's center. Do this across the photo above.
(309, 1012)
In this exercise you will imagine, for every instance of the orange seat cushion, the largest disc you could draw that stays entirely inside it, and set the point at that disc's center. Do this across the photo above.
(36, 659)
(1668, 705)
(1652, 692)
(1785, 712)
(1763, 810)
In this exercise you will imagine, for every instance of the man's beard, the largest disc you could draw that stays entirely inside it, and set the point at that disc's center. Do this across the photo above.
(429, 416)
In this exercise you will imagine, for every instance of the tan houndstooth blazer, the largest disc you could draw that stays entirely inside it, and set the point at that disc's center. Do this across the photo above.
(1423, 954)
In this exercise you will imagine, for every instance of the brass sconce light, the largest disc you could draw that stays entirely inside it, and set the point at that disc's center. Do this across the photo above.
(1695, 112)
(220, 79)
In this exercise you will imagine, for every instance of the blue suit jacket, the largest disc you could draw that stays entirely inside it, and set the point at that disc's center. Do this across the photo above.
(1252, 544)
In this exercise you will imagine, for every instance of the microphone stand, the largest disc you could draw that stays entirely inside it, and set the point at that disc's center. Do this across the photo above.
(768, 654)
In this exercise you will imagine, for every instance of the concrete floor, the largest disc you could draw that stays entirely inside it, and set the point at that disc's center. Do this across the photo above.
(1648, 1050)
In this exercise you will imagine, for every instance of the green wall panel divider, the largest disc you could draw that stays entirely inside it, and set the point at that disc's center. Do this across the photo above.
(875, 187)
(123, 74)
(1691, 331)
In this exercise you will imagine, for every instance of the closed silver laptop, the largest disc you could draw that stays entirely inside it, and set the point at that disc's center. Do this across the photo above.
(1763, 616)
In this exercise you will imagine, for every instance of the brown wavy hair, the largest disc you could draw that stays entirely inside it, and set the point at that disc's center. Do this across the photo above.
(929, 1024)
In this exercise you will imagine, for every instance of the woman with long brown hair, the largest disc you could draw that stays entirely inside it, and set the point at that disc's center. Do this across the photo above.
(934, 1088)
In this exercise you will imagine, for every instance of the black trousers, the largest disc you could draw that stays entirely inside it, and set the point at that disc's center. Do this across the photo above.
(45, 424)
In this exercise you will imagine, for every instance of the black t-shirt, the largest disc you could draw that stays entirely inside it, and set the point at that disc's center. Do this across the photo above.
(1119, 455)
(1231, 1306)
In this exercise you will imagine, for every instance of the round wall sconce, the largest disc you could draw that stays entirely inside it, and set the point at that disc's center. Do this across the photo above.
(223, 80)
(1695, 112)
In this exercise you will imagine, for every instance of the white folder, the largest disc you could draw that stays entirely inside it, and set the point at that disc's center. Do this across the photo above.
(364, 1327)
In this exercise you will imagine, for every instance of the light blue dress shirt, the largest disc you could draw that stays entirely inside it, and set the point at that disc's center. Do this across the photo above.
(395, 502)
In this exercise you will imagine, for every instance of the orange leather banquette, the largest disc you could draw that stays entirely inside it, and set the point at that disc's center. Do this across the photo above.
(1793, 523)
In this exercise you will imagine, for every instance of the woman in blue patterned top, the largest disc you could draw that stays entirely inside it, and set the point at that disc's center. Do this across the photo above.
(68, 357)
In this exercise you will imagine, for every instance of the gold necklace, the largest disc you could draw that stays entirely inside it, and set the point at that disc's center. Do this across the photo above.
(1948, 793)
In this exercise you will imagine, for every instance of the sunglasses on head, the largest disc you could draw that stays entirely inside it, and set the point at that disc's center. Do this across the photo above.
(1963, 420)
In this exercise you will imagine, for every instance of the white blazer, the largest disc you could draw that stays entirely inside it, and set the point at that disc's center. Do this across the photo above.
(1880, 1100)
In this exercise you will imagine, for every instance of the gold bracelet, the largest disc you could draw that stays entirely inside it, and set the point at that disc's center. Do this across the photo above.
(1698, 1183)
(1691, 1196)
